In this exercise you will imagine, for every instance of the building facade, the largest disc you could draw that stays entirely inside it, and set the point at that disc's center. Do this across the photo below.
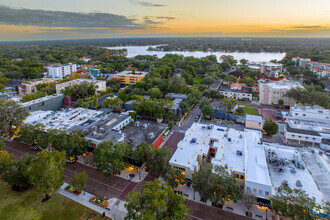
(30, 86)
(61, 71)
(268, 68)
(127, 78)
(270, 92)
(237, 91)
(321, 69)
(254, 122)
(47, 103)
(100, 85)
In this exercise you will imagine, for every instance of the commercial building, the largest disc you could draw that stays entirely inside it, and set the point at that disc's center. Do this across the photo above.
(30, 86)
(260, 168)
(60, 71)
(307, 125)
(270, 92)
(237, 91)
(268, 68)
(128, 78)
(254, 122)
(51, 102)
(240, 152)
(105, 128)
(100, 85)
(63, 119)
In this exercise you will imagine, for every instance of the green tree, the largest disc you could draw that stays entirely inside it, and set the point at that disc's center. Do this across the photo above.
(46, 171)
(212, 93)
(33, 96)
(79, 180)
(228, 104)
(280, 102)
(6, 159)
(155, 93)
(158, 163)
(29, 134)
(270, 127)
(243, 61)
(293, 203)
(156, 201)
(208, 80)
(207, 111)
(16, 175)
(11, 114)
(170, 125)
(110, 157)
(2, 144)
(185, 107)
(249, 200)
(230, 79)
(113, 104)
(144, 152)
(173, 177)
(217, 185)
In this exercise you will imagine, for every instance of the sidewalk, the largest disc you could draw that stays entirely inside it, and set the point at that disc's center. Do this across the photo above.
(116, 209)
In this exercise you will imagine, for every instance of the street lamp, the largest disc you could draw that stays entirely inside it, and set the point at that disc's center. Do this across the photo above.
(266, 213)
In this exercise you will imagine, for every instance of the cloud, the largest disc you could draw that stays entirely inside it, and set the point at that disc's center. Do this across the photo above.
(309, 27)
(146, 4)
(52, 19)
(168, 18)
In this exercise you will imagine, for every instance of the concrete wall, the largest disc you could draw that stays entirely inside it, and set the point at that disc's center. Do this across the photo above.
(51, 104)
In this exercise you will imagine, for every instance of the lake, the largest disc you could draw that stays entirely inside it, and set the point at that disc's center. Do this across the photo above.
(133, 51)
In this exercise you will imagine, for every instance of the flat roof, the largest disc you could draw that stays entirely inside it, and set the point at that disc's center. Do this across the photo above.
(129, 73)
(281, 84)
(312, 109)
(321, 126)
(243, 90)
(49, 97)
(78, 81)
(302, 131)
(291, 173)
(255, 160)
(256, 118)
(62, 119)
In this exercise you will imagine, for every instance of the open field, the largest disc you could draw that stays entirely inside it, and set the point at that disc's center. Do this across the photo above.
(247, 110)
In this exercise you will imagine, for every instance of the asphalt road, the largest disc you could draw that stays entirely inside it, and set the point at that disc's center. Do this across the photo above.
(189, 120)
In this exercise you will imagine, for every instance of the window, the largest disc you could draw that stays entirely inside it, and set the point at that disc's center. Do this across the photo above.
(260, 191)
(254, 190)
(267, 193)
(296, 114)
(304, 114)
(248, 189)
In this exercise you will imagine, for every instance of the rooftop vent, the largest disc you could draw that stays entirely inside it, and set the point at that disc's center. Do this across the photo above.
(239, 152)
(298, 183)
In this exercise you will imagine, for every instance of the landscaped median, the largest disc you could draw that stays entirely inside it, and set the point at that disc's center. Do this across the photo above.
(99, 201)
(72, 190)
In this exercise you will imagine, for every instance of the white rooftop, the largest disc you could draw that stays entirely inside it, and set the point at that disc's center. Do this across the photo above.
(282, 84)
(256, 118)
(291, 173)
(129, 73)
(62, 119)
(311, 109)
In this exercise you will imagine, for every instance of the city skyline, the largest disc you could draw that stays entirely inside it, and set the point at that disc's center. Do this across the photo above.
(43, 20)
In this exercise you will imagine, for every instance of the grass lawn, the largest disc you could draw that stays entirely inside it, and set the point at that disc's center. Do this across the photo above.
(17, 205)
(247, 110)
(198, 80)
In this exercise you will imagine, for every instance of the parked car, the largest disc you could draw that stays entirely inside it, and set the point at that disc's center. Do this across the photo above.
(34, 147)
(71, 160)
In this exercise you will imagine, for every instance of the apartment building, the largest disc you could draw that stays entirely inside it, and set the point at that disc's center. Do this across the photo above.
(100, 85)
(61, 71)
(237, 91)
(270, 92)
(321, 69)
(30, 86)
(268, 68)
(128, 78)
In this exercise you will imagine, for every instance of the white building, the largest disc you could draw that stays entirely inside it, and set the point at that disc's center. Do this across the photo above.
(270, 92)
(100, 85)
(240, 152)
(268, 68)
(236, 91)
(307, 125)
(61, 71)
(321, 69)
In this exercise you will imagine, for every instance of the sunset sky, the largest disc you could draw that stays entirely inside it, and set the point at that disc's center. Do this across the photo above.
(73, 19)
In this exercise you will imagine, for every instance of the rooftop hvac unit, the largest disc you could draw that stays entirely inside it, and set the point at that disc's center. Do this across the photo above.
(102, 130)
(239, 152)
(298, 183)
(94, 128)
(203, 127)
(229, 139)
(240, 136)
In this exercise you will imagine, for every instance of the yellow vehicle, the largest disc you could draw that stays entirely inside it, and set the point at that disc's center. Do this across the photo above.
(71, 160)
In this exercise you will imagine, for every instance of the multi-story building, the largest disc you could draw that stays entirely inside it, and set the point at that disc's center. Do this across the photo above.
(270, 92)
(30, 86)
(254, 122)
(51, 102)
(61, 71)
(321, 69)
(237, 91)
(128, 78)
(257, 166)
(307, 125)
(268, 68)
(100, 85)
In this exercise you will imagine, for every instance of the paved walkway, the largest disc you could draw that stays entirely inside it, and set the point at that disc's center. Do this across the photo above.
(115, 210)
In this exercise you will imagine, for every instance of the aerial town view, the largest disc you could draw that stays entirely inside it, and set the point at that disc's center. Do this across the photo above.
(162, 109)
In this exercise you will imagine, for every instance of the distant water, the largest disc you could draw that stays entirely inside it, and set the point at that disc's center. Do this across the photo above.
(142, 50)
